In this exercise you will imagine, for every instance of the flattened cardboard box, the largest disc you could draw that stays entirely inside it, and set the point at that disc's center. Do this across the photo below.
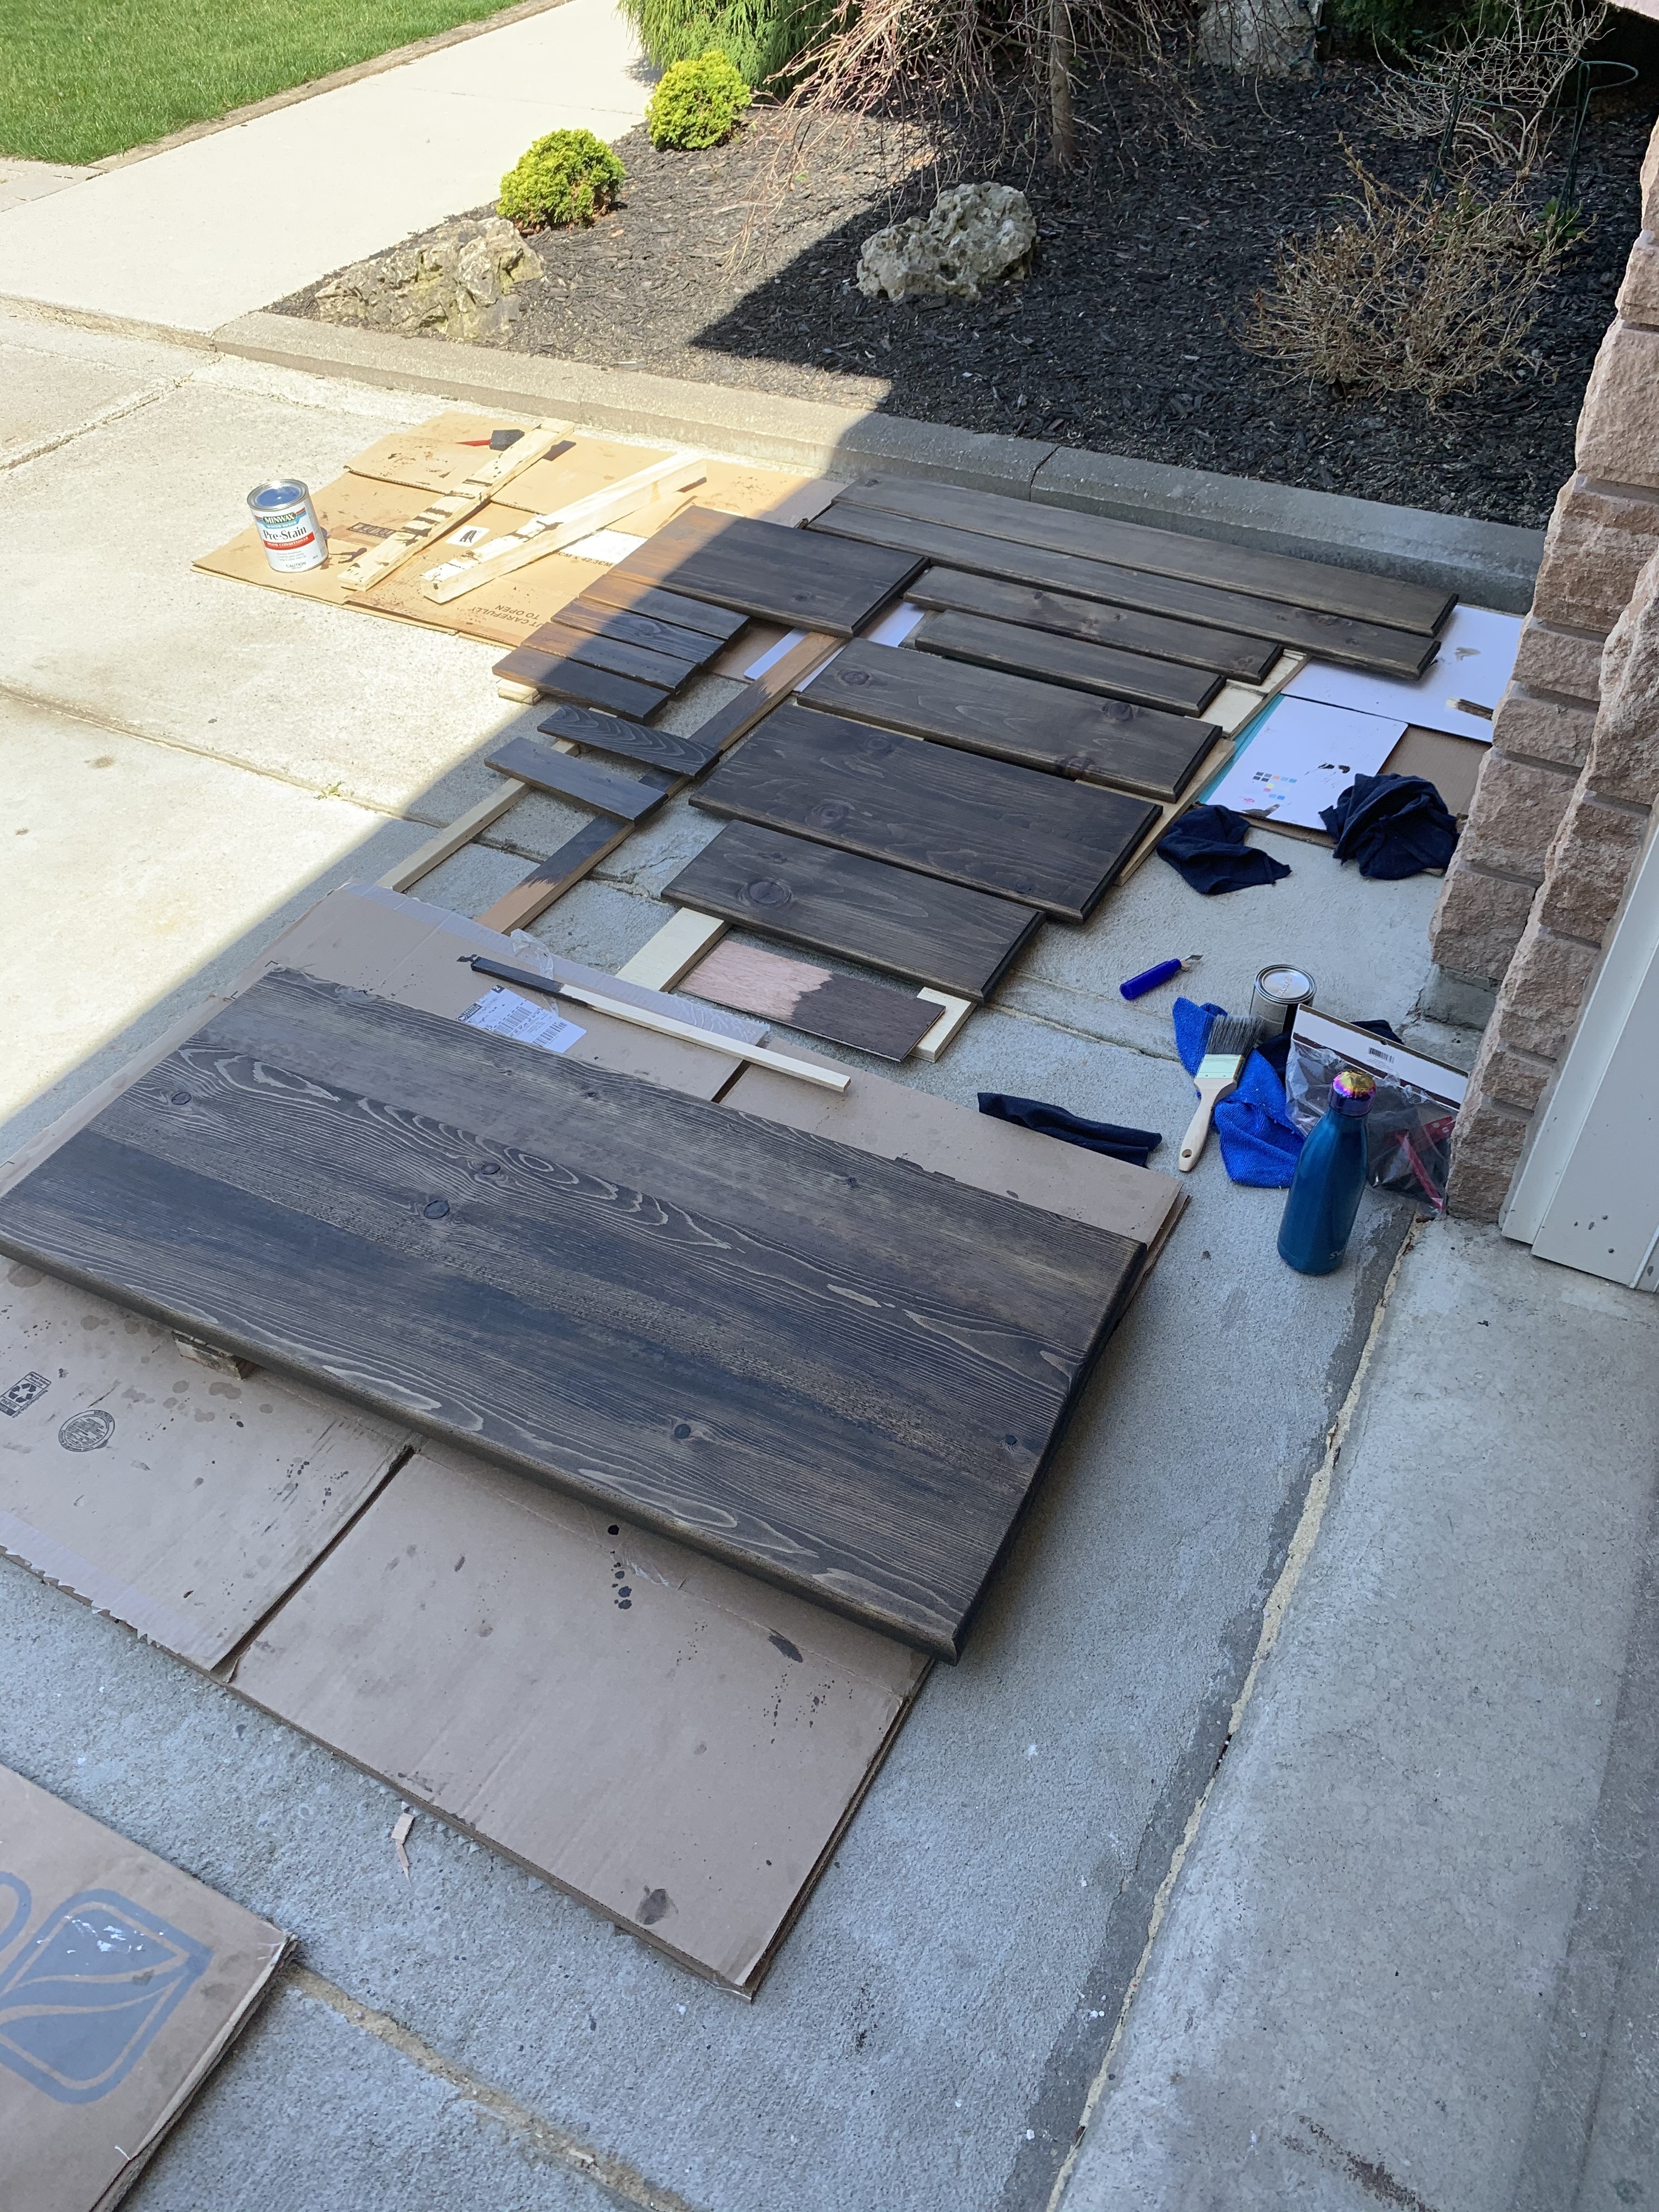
(123, 1982)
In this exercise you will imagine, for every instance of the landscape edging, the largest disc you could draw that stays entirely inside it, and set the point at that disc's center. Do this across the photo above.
(1490, 563)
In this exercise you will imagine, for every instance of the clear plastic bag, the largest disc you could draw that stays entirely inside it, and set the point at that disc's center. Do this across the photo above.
(1407, 1131)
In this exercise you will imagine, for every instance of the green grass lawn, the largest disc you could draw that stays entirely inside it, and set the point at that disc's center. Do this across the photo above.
(82, 78)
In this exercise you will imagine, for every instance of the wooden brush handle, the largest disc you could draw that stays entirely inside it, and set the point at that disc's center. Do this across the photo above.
(1198, 1128)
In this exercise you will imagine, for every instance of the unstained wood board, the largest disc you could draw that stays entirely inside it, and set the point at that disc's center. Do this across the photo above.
(957, 940)
(797, 1357)
(1040, 839)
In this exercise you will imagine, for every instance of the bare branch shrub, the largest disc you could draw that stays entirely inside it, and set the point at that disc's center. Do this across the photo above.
(1410, 292)
(1495, 97)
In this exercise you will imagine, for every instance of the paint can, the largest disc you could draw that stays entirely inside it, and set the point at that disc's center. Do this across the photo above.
(1275, 996)
(288, 524)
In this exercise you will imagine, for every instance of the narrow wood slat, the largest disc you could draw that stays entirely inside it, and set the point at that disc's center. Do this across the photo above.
(783, 574)
(581, 781)
(666, 671)
(1332, 637)
(627, 593)
(810, 1361)
(1101, 669)
(628, 627)
(1245, 659)
(1014, 717)
(820, 1002)
(577, 857)
(866, 910)
(1319, 586)
(1047, 842)
(611, 733)
(557, 677)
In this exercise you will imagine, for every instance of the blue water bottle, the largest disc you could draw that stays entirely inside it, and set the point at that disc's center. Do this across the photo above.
(1330, 1173)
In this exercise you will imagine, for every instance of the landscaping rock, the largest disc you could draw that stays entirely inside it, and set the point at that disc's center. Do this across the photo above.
(1260, 37)
(457, 283)
(974, 234)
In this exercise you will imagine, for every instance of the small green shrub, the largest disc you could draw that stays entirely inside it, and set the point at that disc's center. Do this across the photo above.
(760, 37)
(697, 103)
(569, 176)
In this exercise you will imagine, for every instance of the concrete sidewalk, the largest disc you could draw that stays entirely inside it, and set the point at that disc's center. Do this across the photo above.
(231, 221)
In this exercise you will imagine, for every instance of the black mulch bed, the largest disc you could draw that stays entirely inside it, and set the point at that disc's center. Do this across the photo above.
(1123, 339)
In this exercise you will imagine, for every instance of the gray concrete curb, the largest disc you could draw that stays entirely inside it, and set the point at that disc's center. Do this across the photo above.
(1490, 563)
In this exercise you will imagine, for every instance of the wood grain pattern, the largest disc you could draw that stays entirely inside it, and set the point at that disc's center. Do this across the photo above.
(848, 1010)
(576, 858)
(630, 628)
(610, 734)
(1229, 653)
(1318, 586)
(812, 1363)
(667, 671)
(584, 781)
(1332, 637)
(557, 677)
(866, 910)
(1014, 717)
(1046, 841)
(763, 569)
(628, 594)
(1103, 669)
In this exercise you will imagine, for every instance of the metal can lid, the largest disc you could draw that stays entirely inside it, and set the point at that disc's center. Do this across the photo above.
(1291, 985)
(281, 491)
(1353, 1090)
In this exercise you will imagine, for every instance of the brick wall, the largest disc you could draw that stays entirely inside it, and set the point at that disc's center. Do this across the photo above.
(1561, 809)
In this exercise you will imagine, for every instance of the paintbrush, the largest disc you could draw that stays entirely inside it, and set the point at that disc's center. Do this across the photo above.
(1229, 1043)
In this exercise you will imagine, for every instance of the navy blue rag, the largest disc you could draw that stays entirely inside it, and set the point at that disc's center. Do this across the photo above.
(1259, 1140)
(1393, 825)
(1111, 1137)
(1206, 844)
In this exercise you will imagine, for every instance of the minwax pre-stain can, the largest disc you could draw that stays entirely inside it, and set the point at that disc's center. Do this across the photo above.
(288, 523)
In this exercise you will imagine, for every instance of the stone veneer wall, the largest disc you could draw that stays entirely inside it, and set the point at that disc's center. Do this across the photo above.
(1561, 809)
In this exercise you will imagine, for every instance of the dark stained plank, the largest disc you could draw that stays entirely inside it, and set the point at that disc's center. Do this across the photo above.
(626, 628)
(665, 670)
(1040, 839)
(821, 1002)
(577, 857)
(1245, 659)
(783, 575)
(1101, 669)
(1332, 637)
(609, 733)
(1039, 725)
(627, 595)
(557, 677)
(584, 781)
(956, 939)
(812, 1362)
(1319, 586)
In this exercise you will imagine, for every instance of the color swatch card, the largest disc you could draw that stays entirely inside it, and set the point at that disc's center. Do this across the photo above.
(1302, 757)
(1475, 662)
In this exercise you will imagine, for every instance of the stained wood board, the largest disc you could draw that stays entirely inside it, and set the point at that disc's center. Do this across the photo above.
(666, 671)
(582, 782)
(1014, 717)
(630, 627)
(820, 1002)
(1227, 652)
(1047, 842)
(889, 918)
(1073, 662)
(750, 567)
(1332, 637)
(1320, 587)
(301, 1185)
(614, 734)
(557, 676)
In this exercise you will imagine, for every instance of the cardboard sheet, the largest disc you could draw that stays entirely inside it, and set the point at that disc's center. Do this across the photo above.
(669, 1740)
(123, 1982)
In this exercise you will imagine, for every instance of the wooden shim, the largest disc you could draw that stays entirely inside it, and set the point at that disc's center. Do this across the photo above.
(1066, 660)
(610, 734)
(666, 959)
(1014, 717)
(666, 671)
(451, 508)
(954, 1014)
(556, 677)
(674, 639)
(962, 941)
(763, 568)
(627, 593)
(447, 842)
(846, 1009)
(1229, 653)
(1318, 586)
(1355, 644)
(647, 1305)
(578, 780)
(466, 570)
(1048, 843)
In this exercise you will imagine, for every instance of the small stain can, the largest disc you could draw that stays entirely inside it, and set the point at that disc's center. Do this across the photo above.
(288, 524)
(1278, 991)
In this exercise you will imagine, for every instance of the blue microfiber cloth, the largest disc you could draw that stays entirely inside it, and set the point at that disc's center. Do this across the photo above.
(1207, 845)
(1393, 825)
(1259, 1140)
(1109, 1137)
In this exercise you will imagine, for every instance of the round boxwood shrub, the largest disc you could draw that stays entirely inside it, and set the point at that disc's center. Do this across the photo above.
(569, 176)
(697, 103)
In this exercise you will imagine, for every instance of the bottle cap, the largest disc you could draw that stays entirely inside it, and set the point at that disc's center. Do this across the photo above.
(1353, 1091)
